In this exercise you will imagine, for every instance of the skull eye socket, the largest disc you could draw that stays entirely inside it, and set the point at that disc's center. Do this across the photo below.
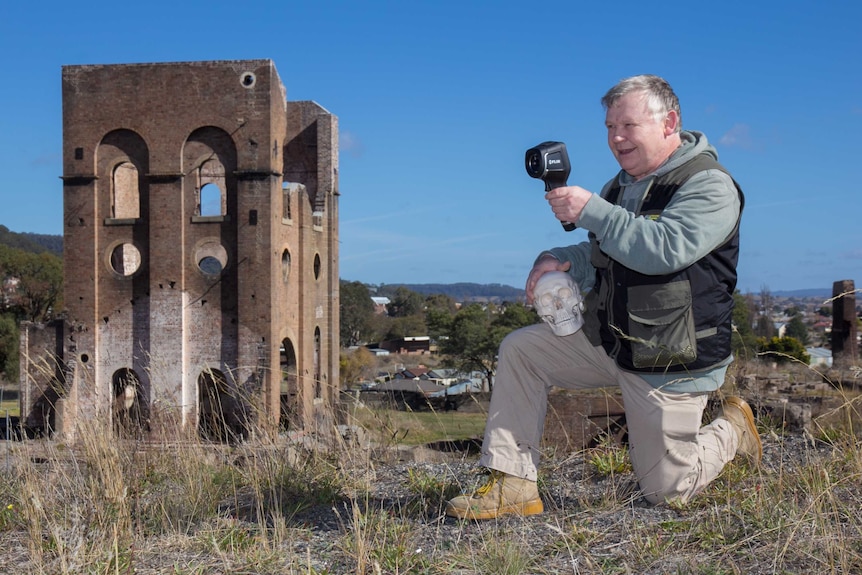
(565, 293)
(546, 299)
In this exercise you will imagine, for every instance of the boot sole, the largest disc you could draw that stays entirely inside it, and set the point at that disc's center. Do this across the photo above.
(533, 507)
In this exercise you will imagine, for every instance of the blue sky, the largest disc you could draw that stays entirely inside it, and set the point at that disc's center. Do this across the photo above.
(438, 100)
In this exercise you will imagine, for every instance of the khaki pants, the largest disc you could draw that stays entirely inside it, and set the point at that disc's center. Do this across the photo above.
(672, 456)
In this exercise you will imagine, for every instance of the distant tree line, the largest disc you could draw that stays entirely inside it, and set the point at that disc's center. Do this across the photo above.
(31, 289)
(462, 292)
(32, 243)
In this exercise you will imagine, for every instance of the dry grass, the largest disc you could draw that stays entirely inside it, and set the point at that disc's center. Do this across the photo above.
(419, 427)
(118, 507)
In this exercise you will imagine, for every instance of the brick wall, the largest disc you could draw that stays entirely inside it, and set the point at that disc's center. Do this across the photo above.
(180, 294)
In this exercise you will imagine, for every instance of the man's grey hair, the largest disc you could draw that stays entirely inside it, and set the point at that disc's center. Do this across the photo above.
(661, 98)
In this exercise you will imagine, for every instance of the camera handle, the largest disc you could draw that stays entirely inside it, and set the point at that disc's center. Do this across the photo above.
(549, 161)
(568, 226)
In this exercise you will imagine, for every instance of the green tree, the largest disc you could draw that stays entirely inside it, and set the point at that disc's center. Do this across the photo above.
(468, 344)
(763, 325)
(406, 315)
(743, 340)
(439, 311)
(516, 315)
(379, 327)
(438, 323)
(356, 313)
(8, 348)
(410, 325)
(783, 349)
(356, 365)
(797, 329)
(441, 302)
(39, 288)
(405, 302)
(475, 334)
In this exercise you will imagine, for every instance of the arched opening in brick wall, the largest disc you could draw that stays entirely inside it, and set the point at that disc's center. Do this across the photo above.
(318, 384)
(219, 419)
(211, 201)
(210, 157)
(130, 413)
(122, 158)
(285, 265)
(289, 387)
(286, 197)
(125, 192)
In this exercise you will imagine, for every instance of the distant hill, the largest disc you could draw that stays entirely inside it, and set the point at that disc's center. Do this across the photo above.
(500, 293)
(34, 243)
(460, 291)
(824, 293)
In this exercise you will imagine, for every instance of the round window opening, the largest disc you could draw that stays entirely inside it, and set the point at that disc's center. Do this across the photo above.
(210, 266)
(247, 79)
(211, 258)
(125, 259)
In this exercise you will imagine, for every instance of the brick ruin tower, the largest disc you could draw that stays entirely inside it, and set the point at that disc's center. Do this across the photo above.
(200, 256)
(844, 349)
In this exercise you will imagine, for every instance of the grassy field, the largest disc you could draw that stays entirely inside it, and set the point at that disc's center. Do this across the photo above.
(9, 402)
(110, 506)
(421, 427)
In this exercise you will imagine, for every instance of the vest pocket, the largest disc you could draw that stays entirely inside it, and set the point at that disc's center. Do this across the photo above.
(661, 325)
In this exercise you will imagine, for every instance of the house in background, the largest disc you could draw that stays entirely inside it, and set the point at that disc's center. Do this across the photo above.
(418, 372)
(411, 345)
(380, 305)
(820, 356)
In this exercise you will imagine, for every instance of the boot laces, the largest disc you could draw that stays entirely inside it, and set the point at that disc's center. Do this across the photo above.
(489, 483)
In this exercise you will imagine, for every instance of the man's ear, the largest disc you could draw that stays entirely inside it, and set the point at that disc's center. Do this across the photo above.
(671, 122)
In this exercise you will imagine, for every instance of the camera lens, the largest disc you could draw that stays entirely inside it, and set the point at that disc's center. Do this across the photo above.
(534, 164)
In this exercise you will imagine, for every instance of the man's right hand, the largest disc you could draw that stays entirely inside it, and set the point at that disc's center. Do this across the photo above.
(546, 263)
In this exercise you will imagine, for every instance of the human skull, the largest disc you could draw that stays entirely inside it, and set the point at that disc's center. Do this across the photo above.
(559, 303)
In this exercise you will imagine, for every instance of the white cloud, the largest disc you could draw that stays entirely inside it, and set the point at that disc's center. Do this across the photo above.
(739, 136)
(348, 142)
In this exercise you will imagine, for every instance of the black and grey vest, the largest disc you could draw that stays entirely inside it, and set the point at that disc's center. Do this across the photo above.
(668, 323)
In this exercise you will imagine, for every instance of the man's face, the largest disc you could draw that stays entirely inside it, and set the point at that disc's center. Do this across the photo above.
(639, 142)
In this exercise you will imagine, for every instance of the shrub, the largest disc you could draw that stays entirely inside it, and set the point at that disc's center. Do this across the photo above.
(783, 349)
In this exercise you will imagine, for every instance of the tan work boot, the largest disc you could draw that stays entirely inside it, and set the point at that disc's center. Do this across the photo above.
(501, 494)
(737, 411)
